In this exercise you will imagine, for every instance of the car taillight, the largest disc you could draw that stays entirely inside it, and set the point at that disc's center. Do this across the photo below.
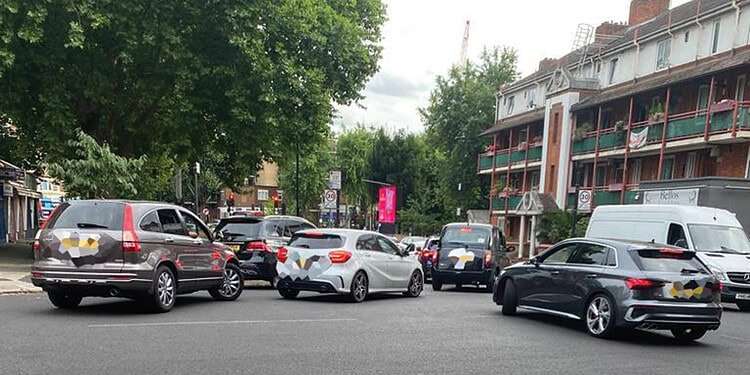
(434, 256)
(257, 245)
(339, 256)
(36, 246)
(130, 242)
(633, 283)
(487, 259)
(281, 254)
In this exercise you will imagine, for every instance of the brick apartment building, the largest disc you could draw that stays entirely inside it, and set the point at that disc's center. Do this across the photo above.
(660, 102)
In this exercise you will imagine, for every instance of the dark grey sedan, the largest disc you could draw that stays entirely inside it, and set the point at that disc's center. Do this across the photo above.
(609, 284)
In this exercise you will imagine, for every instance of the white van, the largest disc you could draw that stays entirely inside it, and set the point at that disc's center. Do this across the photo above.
(715, 234)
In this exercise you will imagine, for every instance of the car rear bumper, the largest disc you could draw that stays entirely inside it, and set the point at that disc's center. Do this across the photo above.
(257, 270)
(93, 283)
(668, 315)
(463, 277)
(307, 285)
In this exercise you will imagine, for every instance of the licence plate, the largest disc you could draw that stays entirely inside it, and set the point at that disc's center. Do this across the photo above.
(235, 248)
(742, 296)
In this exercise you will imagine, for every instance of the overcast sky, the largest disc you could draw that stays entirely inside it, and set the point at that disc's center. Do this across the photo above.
(422, 39)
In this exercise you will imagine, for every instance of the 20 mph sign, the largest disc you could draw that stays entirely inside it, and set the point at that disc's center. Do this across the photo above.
(584, 200)
(329, 199)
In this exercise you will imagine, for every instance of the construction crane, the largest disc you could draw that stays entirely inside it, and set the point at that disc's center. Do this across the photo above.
(464, 59)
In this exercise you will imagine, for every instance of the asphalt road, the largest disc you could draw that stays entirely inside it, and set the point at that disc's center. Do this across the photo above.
(438, 333)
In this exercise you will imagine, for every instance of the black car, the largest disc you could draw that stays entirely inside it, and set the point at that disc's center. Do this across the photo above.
(468, 254)
(255, 240)
(609, 284)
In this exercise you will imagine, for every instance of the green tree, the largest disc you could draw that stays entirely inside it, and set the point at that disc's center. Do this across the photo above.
(314, 168)
(555, 226)
(460, 108)
(242, 80)
(97, 172)
(353, 148)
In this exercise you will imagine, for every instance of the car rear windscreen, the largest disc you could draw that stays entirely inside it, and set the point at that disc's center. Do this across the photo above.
(316, 241)
(657, 260)
(467, 236)
(240, 229)
(87, 215)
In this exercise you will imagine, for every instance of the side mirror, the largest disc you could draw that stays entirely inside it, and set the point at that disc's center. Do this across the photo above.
(193, 234)
(534, 261)
(409, 250)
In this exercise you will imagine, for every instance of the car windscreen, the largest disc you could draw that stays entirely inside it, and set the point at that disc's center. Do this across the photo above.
(667, 260)
(466, 236)
(87, 215)
(316, 241)
(717, 238)
(239, 230)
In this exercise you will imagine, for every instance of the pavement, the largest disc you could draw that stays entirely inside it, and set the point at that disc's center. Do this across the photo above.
(459, 332)
(15, 268)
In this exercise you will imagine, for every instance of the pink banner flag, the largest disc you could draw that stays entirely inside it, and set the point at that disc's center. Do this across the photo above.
(387, 204)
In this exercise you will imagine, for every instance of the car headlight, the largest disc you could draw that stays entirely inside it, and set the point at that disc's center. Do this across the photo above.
(719, 274)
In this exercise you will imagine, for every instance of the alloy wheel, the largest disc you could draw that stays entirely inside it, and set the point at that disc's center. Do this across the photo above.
(360, 287)
(598, 315)
(416, 285)
(231, 283)
(165, 289)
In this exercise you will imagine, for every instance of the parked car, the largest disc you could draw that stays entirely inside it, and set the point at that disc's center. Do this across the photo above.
(609, 284)
(256, 240)
(468, 254)
(141, 250)
(428, 255)
(350, 262)
(715, 234)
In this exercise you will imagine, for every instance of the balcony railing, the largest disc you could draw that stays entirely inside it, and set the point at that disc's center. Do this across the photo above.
(515, 155)
(680, 126)
(604, 196)
(498, 203)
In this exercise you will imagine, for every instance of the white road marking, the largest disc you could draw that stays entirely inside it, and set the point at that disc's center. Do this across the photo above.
(222, 322)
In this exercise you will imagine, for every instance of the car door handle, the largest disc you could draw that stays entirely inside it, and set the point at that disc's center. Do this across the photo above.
(592, 276)
(197, 242)
(169, 240)
(554, 273)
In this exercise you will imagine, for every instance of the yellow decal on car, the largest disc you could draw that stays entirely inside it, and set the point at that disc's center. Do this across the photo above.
(461, 256)
(78, 244)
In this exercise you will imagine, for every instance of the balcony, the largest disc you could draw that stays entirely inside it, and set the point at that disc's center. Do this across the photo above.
(498, 203)
(516, 156)
(606, 197)
(680, 126)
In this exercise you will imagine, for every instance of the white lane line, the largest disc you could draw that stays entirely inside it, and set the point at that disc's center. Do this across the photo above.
(220, 322)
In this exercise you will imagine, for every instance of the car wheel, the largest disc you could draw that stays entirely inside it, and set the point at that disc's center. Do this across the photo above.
(164, 290)
(437, 284)
(688, 334)
(287, 293)
(64, 300)
(744, 306)
(359, 288)
(510, 299)
(231, 286)
(600, 316)
(416, 284)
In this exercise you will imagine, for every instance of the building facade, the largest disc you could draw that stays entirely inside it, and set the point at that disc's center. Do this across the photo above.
(663, 97)
(255, 193)
(20, 204)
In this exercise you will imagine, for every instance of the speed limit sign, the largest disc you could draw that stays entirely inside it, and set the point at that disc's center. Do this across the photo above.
(329, 199)
(584, 200)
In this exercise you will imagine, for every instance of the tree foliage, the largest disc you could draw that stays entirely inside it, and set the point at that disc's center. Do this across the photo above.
(555, 226)
(96, 172)
(242, 80)
(314, 167)
(462, 106)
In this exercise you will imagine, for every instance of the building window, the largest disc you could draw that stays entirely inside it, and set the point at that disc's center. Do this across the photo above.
(715, 44)
(687, 36)
(534, 180)
(510, 105)
(703, 92)
(601, 175)
(612, 70)
(634, 172)
(555, 125)
(664, 49)
(597, 67)
(739, 93)
(691, 165)
(667, 170)
(262, 195)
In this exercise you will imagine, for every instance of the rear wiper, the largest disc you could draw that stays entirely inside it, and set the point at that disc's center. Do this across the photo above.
(91, 225)
(690, 270)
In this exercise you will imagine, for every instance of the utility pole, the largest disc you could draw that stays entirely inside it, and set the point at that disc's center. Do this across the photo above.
(574, 214)
(197, 172)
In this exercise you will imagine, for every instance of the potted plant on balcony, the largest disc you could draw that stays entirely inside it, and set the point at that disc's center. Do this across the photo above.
(656, 114)
(582, 130)
(619, 125)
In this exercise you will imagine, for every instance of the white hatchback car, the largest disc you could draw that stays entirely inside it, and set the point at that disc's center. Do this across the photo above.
(351, 262)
